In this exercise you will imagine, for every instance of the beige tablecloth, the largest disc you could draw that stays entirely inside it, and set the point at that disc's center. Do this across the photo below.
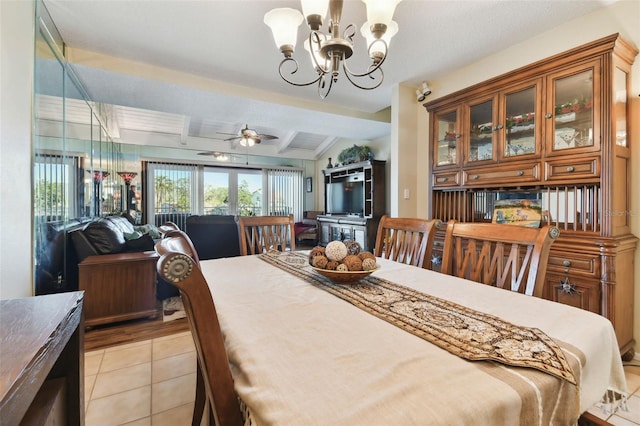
(301, 356)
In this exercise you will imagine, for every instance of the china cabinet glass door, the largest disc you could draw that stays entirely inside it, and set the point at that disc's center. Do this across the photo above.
(482, 130)
(447, 134)
(521, 128)
(572, 121)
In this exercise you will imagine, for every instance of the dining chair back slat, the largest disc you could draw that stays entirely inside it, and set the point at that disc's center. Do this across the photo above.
(178, 265)
(260, 234)
(406, 240)
(505, 256)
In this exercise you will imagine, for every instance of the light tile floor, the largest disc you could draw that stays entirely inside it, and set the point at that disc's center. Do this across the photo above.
(145, 383)
(152, 383)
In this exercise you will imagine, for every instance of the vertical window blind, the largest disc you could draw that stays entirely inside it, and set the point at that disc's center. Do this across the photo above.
(54, 186)
(284, 192)
(172, 192)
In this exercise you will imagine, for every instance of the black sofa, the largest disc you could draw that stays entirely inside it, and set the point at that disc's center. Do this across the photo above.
(56, 269)
(64, 244)
(214, 236)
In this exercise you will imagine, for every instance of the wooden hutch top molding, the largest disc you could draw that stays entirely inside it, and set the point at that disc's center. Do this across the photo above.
(606, 44)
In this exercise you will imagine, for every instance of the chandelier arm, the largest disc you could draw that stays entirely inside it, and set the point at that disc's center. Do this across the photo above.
(349, 32)
(314, 38)
(293, 83)
(322, 92)
(351, 77)
(374, 66)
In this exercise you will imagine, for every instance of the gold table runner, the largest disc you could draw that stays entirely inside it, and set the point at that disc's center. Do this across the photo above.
(464, 332)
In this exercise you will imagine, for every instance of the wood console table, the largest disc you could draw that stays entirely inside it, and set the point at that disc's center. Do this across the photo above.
(119, 287)
(42, 352)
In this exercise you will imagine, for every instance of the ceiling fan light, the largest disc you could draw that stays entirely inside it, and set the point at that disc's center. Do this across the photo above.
(314, 11)
(284, 23)
(247, 141)
(380, 11)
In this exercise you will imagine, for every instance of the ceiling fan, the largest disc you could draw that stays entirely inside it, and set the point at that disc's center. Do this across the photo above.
(248, 137)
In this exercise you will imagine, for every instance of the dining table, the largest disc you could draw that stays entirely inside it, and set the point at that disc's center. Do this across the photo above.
(404, 346)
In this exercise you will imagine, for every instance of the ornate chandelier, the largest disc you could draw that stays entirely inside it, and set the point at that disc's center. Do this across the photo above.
(331, 49)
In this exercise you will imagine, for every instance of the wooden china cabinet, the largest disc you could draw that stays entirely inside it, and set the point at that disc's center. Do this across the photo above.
(553, 134)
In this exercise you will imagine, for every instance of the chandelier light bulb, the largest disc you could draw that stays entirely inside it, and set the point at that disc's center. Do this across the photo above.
(314, 11)
(284, 23)
(380, 11)
(377, 47)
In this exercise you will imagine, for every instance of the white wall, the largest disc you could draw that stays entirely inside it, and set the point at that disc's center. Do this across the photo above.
(621, 17)
(16, 83)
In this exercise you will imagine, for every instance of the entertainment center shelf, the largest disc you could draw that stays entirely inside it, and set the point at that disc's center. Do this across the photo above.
(354, 201)
(553, 134)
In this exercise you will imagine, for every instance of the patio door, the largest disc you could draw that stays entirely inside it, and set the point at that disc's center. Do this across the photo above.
(232, 192)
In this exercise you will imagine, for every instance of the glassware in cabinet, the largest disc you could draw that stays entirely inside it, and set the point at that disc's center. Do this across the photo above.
(571, 119)
(482, 132)
(446, 130)
(522, 107)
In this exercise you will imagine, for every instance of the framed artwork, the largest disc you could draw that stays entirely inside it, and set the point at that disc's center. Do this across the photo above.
(308, 184)
(521, 212)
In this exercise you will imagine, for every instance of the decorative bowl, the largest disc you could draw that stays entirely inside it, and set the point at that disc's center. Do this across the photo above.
(344, 277)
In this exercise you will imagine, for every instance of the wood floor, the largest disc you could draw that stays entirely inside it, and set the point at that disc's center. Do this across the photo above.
(100, 337)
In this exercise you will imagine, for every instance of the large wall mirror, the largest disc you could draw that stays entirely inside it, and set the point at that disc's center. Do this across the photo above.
(75, 163)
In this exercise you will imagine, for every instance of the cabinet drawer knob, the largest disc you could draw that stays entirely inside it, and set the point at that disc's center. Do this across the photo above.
(566, 263)
(475, 177)
(548, 115)
(520, 173)
(443, 179)
(570, 169)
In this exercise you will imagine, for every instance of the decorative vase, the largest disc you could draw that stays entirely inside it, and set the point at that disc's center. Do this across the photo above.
(329, 166)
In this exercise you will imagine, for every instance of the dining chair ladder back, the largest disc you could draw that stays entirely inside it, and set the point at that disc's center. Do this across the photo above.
(406, 240)
(181, 269)
(260, 234)
(506, 256)
(178, 241)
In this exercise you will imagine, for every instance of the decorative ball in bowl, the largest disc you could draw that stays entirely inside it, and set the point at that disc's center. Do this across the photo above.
(342, 261)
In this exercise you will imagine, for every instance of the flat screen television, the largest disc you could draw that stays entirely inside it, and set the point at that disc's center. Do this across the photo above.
(346, 196)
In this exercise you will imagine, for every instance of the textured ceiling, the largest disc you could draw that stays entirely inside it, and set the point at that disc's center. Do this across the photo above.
(227, 44)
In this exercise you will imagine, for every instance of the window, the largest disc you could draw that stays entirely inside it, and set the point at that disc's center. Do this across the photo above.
(175, 192)
(171, 192)
(54, 184)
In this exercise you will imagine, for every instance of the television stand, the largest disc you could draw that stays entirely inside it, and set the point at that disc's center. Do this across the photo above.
(352, 226)
(343, 228)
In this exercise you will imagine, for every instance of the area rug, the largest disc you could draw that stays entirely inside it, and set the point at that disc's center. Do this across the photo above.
(172, 309)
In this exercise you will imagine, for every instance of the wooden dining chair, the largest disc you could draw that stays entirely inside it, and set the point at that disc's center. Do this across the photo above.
(406, 240)
(259, 234)
(178, 265)
(506, 256)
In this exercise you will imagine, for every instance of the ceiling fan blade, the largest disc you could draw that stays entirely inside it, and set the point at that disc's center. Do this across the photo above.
(233, 138)
(267, 137)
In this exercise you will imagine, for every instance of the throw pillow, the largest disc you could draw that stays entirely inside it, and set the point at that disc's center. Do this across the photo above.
(132, 236)
(149, 229)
